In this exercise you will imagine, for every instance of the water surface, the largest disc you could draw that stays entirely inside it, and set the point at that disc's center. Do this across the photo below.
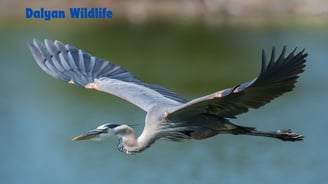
(40, 115)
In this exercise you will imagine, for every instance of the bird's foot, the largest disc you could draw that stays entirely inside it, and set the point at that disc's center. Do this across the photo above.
(288, 135)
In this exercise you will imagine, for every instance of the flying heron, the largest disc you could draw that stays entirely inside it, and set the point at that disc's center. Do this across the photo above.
(170, 116)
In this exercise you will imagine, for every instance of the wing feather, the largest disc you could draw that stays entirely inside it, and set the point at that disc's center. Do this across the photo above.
(276, 77)
(67, 63)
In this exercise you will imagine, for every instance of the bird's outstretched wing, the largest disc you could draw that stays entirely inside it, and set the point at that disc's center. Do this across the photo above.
(276, 78)
(76, 66)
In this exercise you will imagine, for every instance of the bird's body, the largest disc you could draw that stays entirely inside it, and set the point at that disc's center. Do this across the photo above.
(169, 116)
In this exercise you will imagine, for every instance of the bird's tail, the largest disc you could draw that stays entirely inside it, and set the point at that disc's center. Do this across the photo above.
(284, 135)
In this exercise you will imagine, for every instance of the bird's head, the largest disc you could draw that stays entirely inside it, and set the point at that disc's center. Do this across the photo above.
(100, 133)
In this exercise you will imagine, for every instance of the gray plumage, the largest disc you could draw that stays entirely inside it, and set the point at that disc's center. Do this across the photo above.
(170, 116)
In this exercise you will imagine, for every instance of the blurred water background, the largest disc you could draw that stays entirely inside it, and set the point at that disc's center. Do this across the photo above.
(40, 115)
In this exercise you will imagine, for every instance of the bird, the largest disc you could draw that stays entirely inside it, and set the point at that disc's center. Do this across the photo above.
(169, 116)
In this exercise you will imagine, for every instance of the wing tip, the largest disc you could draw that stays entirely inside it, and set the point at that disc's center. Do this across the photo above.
(73, 65)
(282, 56)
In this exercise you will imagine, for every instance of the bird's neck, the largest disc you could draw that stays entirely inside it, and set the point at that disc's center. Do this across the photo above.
(129, 143)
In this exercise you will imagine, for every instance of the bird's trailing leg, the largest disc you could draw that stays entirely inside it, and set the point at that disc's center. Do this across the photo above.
(285, 135)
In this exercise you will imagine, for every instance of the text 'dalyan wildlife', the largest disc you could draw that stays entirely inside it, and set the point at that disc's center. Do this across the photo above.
(72, 13)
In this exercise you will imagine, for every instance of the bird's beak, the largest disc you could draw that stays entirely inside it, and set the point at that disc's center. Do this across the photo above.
(92, 134)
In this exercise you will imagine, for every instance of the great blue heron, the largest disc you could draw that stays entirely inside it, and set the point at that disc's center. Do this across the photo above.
(169, 116)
